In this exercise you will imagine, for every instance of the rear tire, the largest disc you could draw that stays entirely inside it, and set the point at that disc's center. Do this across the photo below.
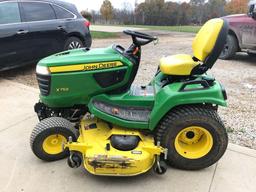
(194, 135)
(73, 43)
(48, 137)
(230, 48)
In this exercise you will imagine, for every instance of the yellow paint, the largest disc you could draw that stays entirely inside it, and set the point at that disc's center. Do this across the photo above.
(180, 64)
(53, 144)
(206, 38)
(92, 144)
(193, 147)
(85, 67)
(203, 45)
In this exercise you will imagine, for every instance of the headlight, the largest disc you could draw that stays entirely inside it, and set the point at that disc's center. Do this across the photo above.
(42, 70)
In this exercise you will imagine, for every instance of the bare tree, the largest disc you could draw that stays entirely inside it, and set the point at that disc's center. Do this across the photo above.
(198, 10)
(162, 12)
(106, 10)
(87, 15)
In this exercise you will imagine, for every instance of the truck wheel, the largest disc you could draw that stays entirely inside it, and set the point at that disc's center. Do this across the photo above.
(48, 137)
(73, 43)
(230, 48)
(194, 135)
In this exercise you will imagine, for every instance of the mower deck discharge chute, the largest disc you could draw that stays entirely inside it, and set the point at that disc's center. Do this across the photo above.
(90, 112)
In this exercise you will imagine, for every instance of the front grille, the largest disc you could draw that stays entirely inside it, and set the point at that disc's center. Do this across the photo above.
(44, 83)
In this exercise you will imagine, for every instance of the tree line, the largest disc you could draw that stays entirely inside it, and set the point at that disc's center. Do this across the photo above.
(161, 12)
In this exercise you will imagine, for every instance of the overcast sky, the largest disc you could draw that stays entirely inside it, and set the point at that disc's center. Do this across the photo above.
(95, 4)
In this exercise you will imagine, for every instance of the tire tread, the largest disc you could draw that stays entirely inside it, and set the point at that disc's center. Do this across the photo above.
(186, 111)
(46, 124)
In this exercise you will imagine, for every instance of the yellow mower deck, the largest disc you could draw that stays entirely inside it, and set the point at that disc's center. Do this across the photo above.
(100, 158)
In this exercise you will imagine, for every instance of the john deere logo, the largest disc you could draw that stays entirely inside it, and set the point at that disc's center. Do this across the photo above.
(96, 66)
(85, 67)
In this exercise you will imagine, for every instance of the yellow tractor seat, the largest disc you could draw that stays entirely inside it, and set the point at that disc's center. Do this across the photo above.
(180, 64)
(207, 47)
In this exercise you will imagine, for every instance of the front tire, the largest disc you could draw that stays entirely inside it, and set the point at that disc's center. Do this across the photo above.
(194, 135)
(230, 48)
(48, 137)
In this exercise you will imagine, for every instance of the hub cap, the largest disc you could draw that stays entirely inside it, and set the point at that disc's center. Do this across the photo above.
(74, 45)
(193, 142)
(53, 144)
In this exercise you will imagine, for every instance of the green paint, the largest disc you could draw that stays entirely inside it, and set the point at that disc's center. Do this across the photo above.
(164, 100)
(169, 97)
(81, 56)
(71, 88)
(125, 99)
(81, 85)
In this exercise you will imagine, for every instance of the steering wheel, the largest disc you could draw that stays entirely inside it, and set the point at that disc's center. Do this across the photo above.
(139, 38)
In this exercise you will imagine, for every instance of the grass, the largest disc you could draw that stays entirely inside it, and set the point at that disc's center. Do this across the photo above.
(185, 28)
(108, 35)
(103, 35)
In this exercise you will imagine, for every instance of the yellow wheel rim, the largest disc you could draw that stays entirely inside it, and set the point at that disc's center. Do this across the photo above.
(53, 144)
(193, 142)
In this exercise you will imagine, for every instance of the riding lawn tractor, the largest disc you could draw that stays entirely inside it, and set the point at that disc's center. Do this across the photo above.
(90, 111)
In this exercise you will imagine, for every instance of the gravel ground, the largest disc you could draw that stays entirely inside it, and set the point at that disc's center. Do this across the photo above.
(238, 76)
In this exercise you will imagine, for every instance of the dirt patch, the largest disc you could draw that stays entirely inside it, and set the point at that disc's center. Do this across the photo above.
(238, 76)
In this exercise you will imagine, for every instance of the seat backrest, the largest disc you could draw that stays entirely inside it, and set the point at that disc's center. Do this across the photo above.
(210, 40)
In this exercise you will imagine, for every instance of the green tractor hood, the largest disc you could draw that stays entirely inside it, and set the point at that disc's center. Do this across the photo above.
(81, 56)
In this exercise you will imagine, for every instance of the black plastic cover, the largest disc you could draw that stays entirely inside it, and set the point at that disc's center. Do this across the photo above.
(110, 78)
(124, 142)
